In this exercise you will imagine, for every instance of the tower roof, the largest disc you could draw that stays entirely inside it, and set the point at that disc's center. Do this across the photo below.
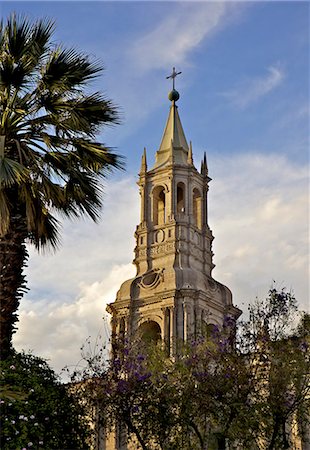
(173, 139)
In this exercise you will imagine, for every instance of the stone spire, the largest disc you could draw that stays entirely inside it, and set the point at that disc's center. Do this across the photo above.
(173, 133)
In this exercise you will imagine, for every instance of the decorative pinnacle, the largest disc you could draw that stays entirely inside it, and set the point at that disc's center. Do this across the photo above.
(173, 95)
(143, 162)
(190, 154)
(204, 166)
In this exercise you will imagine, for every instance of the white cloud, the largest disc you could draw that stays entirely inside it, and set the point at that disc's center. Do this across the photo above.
(179, 33)
(87, 248)
(57, 331)
(258, 210)
(149, 54)
(251, 90)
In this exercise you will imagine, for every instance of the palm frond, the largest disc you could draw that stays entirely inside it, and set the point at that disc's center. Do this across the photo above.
(12, 172)
(18, 32)
(46, 233)
(80, 115)
(66, 70)
(22, 46)
(49, 126)
(52, 192)
(83, 196)
(42, 226)
(97, 157)
(39, 43)
(50, 160)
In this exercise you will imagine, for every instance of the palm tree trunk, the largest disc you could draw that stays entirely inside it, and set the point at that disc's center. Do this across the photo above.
(13, 257)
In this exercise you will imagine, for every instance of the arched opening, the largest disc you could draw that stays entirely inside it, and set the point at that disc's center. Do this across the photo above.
(150, 331)
(159, 205)
(211, 331)
(197, 210)
(180, 198)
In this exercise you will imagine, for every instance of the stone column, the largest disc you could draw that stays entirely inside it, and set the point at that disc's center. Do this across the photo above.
(197, 326)
(142, 212)
(185, 321)
(169, 202)
(188, 318)
(166, 330)
(173, 328)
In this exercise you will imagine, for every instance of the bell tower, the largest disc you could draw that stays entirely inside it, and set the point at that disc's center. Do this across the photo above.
(173, 295)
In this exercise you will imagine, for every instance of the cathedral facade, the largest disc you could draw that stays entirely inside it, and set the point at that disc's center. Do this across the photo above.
(173, 295)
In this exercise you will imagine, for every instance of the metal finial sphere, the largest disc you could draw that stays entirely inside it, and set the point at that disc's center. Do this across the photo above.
(173, 95)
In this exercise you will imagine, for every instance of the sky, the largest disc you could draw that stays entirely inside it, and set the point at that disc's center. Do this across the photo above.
(244, 99)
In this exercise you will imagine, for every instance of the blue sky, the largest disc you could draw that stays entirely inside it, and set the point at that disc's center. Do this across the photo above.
(227, 54)
(244, 99)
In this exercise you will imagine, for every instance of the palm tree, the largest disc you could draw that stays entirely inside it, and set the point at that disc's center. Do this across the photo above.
(50, 160)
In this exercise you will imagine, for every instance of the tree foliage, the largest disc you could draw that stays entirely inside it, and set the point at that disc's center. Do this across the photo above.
(37, 411)
(220, 391)
(51, 161)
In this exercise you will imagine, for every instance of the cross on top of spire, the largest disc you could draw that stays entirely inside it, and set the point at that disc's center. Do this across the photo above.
(173, 76)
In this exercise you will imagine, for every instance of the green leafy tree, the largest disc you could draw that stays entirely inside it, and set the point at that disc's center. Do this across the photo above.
(37, 411)
(50, 160)
(122, 394)
(278, 353)
(243, 387)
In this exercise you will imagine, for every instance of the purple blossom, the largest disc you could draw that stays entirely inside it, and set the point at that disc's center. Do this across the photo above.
(143, 377)
(200, 375)
(117, 364)
(129, 365)
(304, 346)
(215, 330)
(122, 386)
(229, 322)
